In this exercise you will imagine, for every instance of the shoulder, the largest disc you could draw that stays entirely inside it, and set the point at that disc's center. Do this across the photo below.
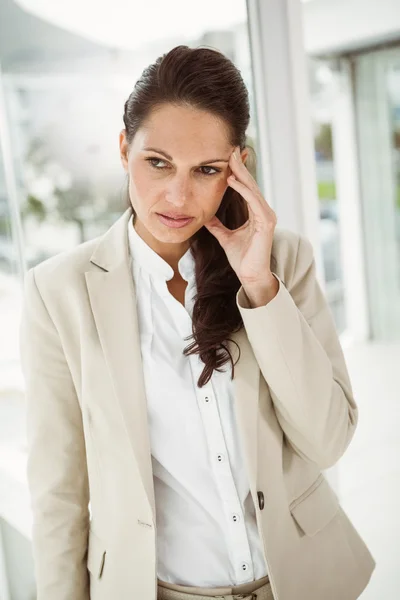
(292, 255)
(65, 271)
(74, 259)
(294, 264)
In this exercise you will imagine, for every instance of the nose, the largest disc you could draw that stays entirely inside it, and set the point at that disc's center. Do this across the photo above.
(179, 190)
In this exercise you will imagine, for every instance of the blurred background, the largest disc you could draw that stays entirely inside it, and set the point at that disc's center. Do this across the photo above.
(324, 84)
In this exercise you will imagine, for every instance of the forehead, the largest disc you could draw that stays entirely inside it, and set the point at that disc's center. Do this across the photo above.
(184, 132)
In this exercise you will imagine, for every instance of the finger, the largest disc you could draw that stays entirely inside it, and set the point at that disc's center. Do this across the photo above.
(244, 176)
(242, 173)
(218, 230)
(251, 199)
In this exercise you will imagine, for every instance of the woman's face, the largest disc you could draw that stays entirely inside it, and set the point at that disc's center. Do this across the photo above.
(178, 166)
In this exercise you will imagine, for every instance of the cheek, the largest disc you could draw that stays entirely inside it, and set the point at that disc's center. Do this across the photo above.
(216, 192)
(138, 177)
(143, 190)
(221, 186)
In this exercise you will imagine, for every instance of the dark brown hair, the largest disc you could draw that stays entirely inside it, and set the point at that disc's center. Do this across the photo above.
(205, 79)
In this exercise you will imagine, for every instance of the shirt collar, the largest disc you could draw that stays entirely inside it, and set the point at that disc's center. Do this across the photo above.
(149, 260)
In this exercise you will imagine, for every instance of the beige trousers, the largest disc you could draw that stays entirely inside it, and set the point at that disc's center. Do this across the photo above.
(255, 590)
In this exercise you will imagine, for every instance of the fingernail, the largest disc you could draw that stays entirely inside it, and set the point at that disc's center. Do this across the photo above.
(236, 155)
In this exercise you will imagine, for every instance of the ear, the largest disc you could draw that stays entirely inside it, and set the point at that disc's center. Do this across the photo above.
(244, 155)
(123, 147)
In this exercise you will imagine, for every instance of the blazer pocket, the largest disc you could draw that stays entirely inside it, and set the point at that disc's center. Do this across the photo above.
(316, 507)
(96, 555)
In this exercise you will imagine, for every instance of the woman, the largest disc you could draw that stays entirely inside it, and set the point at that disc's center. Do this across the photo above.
(201, 463)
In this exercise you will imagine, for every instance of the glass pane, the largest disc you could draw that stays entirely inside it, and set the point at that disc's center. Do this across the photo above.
(12, 430)
(65, 111)
(10, 286)
(322, 88)
(393, 86)
(377, 101)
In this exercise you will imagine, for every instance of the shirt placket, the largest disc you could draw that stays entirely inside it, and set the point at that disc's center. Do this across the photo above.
(238, 543)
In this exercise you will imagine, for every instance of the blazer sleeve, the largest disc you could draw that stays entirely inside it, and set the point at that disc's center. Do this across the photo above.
(296, 345)
(56, 468)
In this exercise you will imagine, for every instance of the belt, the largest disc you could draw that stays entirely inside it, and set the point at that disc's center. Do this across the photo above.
(262, 593)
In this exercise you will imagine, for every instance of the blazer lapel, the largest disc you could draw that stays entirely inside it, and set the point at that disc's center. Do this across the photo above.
(113, 300)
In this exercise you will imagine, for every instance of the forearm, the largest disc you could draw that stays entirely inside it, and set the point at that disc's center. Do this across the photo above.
(314, 405)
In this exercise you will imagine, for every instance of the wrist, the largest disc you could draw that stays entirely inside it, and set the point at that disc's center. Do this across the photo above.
(259, 294)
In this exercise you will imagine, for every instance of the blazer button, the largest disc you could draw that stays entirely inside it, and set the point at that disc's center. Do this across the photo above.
(260, 500)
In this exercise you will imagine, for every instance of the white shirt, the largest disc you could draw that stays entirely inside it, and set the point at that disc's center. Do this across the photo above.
(206, 524)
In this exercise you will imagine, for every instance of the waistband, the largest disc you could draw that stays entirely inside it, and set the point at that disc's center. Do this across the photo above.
(259, 589)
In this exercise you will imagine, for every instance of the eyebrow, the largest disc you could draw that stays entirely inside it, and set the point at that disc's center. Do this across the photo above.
(206, 162)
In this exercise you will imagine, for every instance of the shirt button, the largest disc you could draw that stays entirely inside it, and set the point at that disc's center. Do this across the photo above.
(245, 566)
(235, 518)
(220, 457)
(207, 399)
(260, 500)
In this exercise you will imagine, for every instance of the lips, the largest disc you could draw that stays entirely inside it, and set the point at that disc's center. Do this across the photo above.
(174, 216)
(174, 222)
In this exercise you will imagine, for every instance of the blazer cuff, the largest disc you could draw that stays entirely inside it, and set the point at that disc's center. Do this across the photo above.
(243, 302)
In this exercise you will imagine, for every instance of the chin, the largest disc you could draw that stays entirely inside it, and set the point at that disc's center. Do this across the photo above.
(172, 237)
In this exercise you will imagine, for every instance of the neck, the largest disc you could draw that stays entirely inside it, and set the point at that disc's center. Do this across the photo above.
(171, 253)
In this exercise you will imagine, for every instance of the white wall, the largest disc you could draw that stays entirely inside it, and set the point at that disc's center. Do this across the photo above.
(337, 25)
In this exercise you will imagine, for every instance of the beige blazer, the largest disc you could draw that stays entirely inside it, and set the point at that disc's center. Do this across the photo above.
(88, 431)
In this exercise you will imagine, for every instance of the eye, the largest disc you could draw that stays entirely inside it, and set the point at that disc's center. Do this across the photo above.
(215, 171)
(207, 171)
(153, 160)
